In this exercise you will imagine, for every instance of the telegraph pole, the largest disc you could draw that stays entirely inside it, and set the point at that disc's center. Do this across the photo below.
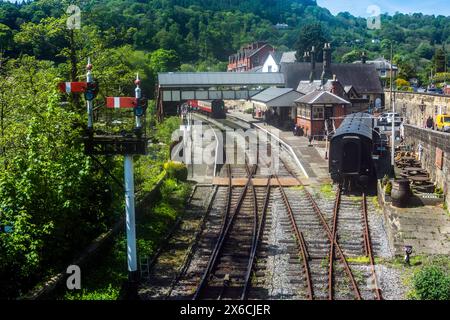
(89, 80)
(393, 112)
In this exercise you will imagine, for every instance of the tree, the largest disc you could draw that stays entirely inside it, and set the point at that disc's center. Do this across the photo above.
(310, 35)
(425, 50)
(439, 60)
(5, 37)
(162, 60)
(351, 56)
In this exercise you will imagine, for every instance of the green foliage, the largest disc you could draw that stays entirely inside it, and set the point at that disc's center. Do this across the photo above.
(388, 188)
(176, 170)
(51, 194)
(432, 283)
(351, 56)
(311, 35)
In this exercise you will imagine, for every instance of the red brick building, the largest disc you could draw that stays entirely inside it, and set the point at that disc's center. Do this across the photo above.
(320, 109)
(249, 57)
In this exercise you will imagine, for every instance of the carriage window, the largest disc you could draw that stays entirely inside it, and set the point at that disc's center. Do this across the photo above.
(318, 113)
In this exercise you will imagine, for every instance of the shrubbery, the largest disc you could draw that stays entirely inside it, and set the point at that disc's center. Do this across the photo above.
(432, 283)
(176, 170)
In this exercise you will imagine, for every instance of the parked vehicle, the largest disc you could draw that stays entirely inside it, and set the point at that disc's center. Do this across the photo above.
(443, 122)
(398, 119)
(435, 90)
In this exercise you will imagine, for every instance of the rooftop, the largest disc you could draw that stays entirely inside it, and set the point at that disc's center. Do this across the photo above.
(321, 97)
(363, 77)
(271, 94)
(209, 79)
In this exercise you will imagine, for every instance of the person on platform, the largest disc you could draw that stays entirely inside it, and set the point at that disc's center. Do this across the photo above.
(296, 130)
(430, 123)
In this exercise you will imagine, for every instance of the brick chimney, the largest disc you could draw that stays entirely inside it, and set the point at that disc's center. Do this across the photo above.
(363, 57)
(306, 56)
(312, 75)
(334, 85)
(326, 72)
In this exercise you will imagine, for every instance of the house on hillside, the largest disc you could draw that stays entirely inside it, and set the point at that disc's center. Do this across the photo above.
(249, 57)
(383, 66)
(275, 59)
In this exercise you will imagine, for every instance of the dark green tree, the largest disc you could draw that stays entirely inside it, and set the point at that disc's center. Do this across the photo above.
(311, 35)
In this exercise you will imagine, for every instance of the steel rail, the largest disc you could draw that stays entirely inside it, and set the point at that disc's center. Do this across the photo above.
(330, 235)
(331, 256)
(257, 238)
(368, 242)
(226, 226)
(300, 241)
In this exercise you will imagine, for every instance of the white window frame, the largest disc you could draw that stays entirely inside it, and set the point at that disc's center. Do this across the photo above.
(318, 113)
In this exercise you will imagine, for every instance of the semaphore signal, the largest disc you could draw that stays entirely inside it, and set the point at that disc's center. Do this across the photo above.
(125, 144)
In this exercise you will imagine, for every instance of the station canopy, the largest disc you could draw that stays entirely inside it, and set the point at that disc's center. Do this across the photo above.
(179, 86)
(210, 79)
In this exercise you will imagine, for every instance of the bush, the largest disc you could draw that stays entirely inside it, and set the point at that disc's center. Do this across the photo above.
(432, 283)
(176, 170)
(388, 188)
(248, 111)
(174, 193)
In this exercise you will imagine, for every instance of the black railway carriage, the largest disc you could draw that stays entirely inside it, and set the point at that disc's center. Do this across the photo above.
(351, 149)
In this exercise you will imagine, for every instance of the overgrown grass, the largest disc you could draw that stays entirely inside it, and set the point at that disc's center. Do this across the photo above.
(103, 279)
(327, 191)
(427, 278)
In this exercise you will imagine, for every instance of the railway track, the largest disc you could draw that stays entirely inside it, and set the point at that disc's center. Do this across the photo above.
(322, 245)
(229, 270)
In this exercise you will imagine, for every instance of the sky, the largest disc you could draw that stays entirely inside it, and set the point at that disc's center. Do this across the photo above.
(359, 7)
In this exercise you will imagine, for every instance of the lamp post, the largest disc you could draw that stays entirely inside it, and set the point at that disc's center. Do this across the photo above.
(422, 107)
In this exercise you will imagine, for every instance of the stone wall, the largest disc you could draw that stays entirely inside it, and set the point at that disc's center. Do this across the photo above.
(435, 145)
(408, 104)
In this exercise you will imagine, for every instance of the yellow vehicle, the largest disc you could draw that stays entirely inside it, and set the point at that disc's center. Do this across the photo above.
(443, 122)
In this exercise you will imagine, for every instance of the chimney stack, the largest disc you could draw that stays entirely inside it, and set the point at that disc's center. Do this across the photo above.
(305, 56)
(334, 85)
(312, 75)
(363, 57)
(326, 73)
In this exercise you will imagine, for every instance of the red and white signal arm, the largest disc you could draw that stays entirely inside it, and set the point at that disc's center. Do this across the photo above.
(69, 87)
(120, 102)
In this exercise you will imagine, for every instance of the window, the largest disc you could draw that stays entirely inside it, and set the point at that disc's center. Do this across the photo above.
(318, 113)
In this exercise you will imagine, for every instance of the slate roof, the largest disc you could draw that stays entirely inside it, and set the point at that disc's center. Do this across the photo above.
(270, 94)
(321, 97)
(363, 77)
(306, 86)
(277, 55)
(289, 57)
